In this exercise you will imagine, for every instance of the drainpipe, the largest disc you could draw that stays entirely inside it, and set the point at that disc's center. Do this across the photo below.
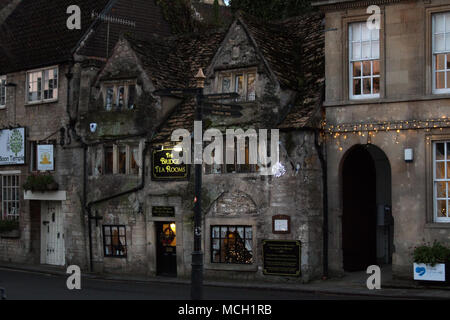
(323, 163)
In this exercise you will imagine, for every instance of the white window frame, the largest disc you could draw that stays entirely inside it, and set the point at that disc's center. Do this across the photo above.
(27, 86)
(3, 88)
(445, 52)
(5, 175)
(372, 95)
(446, 180)
(233, 74)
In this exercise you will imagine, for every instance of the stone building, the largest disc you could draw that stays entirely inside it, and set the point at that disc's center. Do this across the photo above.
(143, 205)
(44, 72)
(387, 107)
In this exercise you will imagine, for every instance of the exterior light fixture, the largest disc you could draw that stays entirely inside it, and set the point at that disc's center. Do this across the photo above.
(93, 127)
(409, 154)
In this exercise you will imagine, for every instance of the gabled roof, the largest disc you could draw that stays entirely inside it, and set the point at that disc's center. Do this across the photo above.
(294, 51)
(173, 62)
(35, 34)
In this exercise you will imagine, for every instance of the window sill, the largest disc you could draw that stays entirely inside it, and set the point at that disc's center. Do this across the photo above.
(37, 103)
(231, 267)
(429, 97)
(2, 107)
(438, 225)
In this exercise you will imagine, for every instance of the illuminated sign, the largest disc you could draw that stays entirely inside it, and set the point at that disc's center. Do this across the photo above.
(165, 168)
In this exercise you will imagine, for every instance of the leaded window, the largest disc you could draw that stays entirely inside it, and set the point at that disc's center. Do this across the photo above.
(115, 241)
(10, 196)
(232, 244)
(42, 85)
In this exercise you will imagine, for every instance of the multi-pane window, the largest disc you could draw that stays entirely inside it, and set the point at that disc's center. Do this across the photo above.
(42, 85)
(241, 82)
(364, 61)
(115, 241)
(10, 196)
(232, 244)
(441, 176)
(441, 52)
(2, 91)
(244, 167)
(119, 96)
(118, 159)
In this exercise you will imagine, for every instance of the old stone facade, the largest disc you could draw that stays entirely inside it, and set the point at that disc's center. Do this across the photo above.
(387, 137)
(238, 197)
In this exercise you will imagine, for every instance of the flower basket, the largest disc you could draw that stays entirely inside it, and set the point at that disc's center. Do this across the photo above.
(40, 183)
(432, 264)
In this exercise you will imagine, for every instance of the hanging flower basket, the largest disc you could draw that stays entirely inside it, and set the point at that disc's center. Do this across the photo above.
(40, 183)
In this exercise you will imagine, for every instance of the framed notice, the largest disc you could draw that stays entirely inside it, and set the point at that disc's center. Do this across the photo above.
(281, 258)
(12, 146)
(166, 168)
(45, 157)
(281, 224)
(163, 211)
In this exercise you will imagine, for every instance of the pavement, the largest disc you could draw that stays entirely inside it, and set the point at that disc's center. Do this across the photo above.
(350, 285)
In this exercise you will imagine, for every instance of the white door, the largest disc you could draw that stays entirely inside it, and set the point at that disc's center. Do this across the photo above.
(52, 234)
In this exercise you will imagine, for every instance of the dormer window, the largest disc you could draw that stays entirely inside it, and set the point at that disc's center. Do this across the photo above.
(242, 82)
(119, 96)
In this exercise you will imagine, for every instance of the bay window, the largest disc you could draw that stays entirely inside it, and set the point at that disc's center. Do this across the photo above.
(364, 61)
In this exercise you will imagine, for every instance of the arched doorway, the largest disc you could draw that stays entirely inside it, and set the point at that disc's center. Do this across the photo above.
(367, 224)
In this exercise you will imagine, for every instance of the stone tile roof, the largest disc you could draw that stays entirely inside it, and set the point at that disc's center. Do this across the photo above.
(172, 63)
(295, 52)
(181, 118)
(35, 33)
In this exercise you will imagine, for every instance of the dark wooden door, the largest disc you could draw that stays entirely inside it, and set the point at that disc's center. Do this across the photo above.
(359, 206)
(166, 249)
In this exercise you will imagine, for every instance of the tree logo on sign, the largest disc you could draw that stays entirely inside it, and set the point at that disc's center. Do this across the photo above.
(16, 141)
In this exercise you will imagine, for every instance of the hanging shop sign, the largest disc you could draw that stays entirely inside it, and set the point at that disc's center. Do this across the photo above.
(166, 168)
(45, 157)
(12, 146)
(282, 258)
(163, 211)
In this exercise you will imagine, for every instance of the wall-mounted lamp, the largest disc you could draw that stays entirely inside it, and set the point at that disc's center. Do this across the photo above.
(93, 127)
(409, 154)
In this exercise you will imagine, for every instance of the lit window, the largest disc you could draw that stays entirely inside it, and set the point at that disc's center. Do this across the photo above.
(115, 241)
(232, 244)
(441, 176)
(42, 85)
(2, 91)
(10, 196)
(243, 83)
(441, 53)
(364, 55)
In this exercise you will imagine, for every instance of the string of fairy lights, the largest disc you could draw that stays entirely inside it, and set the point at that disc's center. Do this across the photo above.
(371, 129)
